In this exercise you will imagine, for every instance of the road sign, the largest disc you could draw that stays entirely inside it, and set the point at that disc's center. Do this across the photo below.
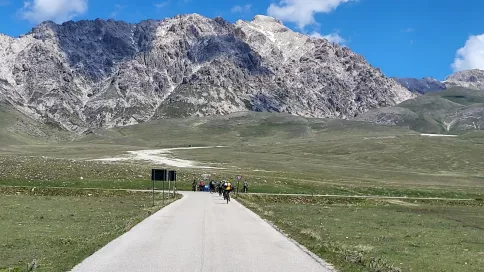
(239, 177)
(159, 174)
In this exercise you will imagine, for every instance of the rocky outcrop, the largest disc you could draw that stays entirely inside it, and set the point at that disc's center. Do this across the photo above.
(90, 74)
(473, 79)
(422, 86)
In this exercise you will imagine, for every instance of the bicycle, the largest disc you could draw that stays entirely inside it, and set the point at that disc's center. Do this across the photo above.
(227, 196)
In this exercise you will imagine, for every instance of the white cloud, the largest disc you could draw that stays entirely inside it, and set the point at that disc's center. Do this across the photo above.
(302, 12)
(162, 4)
(59, 11)
(471, 56)
(332, 37)
(241, 9)
(408, 30)
(117, 10)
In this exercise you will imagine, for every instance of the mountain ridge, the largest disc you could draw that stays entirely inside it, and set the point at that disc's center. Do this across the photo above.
(473, 79)
(91, 74)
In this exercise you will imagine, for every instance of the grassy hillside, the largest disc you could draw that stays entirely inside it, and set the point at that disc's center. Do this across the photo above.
(454, 111)
(18, 129)
(243, 127)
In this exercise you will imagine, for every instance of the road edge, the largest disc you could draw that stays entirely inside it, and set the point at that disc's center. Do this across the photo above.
(329, 267)
(76, 267)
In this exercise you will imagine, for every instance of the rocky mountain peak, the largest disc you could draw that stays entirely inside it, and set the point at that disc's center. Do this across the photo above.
(473, 75)
(90, 74)
(421, 86)
(266, 20)
(470, 79)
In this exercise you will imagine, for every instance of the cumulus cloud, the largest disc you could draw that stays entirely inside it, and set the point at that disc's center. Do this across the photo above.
(302, 12)
(58, 11)
(471, 56)
(332, 37)
(241, 9)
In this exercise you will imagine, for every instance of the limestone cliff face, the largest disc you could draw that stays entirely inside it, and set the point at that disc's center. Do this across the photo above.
(422, 86)
(90, 74)
(473, 79)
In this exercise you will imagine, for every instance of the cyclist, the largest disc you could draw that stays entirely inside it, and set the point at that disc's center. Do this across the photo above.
(227, 189)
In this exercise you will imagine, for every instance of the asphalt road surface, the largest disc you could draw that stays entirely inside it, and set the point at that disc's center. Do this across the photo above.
(202, 233)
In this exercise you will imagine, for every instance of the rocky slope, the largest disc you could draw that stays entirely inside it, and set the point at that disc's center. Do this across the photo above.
(473, 79)
(91, 74)
(421, 86)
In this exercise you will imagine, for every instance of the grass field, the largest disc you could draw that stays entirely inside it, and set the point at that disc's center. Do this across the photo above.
(54, 229)
(278, 153)
(382, 235)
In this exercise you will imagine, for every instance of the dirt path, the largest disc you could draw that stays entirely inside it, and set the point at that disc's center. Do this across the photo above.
(368, 197)
(438, 135)
(161, 156)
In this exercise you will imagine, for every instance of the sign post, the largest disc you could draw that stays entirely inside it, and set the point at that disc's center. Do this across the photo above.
(238, 181)
(172, 177)
(159, 175)
(153, 181)
(165, 178)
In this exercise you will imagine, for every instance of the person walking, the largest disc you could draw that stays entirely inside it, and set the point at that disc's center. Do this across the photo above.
(212, 187)
(246, 187)
(220, 188)
(194, 185)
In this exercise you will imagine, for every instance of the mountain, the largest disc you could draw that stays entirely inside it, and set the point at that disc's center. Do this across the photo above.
(421, 86)
(473, 79)
(455, 110)
(92, 74)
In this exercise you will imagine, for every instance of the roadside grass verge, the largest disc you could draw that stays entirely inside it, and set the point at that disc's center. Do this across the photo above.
(55, 229)
(381, 235)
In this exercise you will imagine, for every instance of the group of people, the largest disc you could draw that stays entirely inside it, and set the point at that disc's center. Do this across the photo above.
(216, 186)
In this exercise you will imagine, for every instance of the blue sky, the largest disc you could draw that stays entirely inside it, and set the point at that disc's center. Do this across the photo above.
(405, 38)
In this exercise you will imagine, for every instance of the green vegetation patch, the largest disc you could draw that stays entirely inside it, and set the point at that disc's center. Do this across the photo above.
(55, 229)
(382, 235)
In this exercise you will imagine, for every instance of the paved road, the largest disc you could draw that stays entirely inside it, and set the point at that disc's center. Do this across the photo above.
(202, 233)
